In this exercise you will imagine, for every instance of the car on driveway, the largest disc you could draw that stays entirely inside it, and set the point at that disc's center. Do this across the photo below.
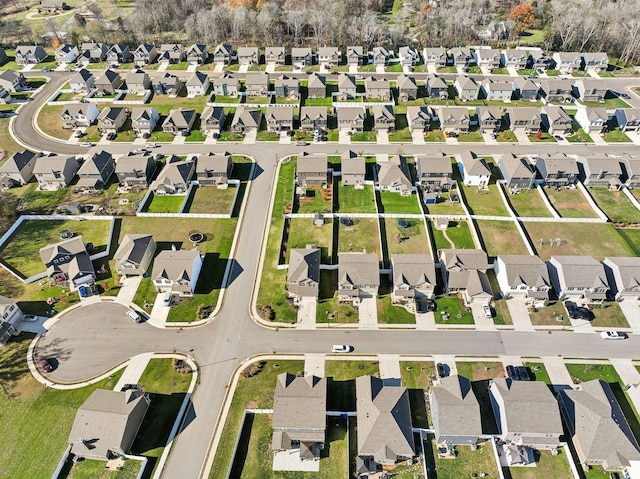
(613, 335)
(83, 292)
(45, 365)
(442, 369)
(341, 348)
(486, 311)
(558, 137)
(577, 312)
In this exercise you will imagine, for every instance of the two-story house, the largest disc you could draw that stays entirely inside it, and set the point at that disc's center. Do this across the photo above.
(377, 89)
(473, 170)
(590, 89)
(381, 56)
(353, 169)
(515, 58)
(555, 120)
(516, 171)
(212, 120)
(29, 54)
(418, 118)
(489, 118)
(226, 86)
(256, 84)
(108, 83)
(454, 119)
(138, 82)
(407, 88)
(316, 86)
(66, 54)
(301, 57)
(279, 118)
(579, 278)
(556, 90)
(18, 170)
(248, 56)
(627, 119)
(10, 316)
(497, 90)
(539, 60)
(144, 120)
(145, 54)
(347, 88)
(76, 115)
(166, 84)
(179, 121)
(436, 56)
(522, 276)
(466, 87)
(274, 56)
(631, 175)
(527, 119)
(112, 118)
(93, 53)
(222, 54)
(175, 177)
(623, 277)
(303, 274)
(455, 411)
(358, 276)
(355, 56)
(53, 172)
(569, 62)
(311, 170)
(525, 89)
(434, 172)
(118, 54)
(351, 118)
(135, 169)
(489, 58)
(595, 61)
(286, 87)
(68, 262)
(383, 118)
(600, 170)
(134, 254)
(556, 170)
(171, 53)
(592, 119)
(393, 175)
(197, 54)
(177, 271)
(246, 120)
(461, 56)
(96, 171)
(81, 81)
(313, 118)
(328, 57)
(437, 87)
(414, 280)
(464, 272)
(197, 84)
(214, 169)
(409, 57)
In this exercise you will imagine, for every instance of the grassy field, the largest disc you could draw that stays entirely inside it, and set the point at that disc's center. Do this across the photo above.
(452, 307)
(209, 199)
(554, 314)
(302, 233)
(361, 236)
(615, 205)
(484, 202)
(21, 251)
(251, 392)
(590, 239)
(36, 431)
(547, 465)
(165, 204)
(395, 203)
(317, 200)
(50, 122)
(528, 203)
(350, 200)
(466, 463)
(608, 315)
(570, 203)
(501, 237)
(410, 240)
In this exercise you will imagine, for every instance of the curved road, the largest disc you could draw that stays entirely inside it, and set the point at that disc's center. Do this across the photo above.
(89, 344)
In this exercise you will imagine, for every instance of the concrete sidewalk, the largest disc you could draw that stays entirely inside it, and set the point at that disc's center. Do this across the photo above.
(133, 371)
(307, 314)
(159, 313)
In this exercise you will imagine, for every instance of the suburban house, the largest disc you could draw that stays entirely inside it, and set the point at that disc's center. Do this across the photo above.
(473, 170)
(358, 276)
(279, 118)
(556, 90)
(623, 276)
(497, 90)
(316, 86)
(377, 89)
(596, 61)
(303, 274)
(353, 170)
(18, 170)
(96, 171)
(108, 83)
(135, 170)
(407, 88)
(81, 81)
(107, 423)
(68, 261)
(275, 56)
(351, 118)
(489, 118)
(134, 254)
(434, 172)
(523, 118)
(171, 53)
(177, 271)
(380, 56)
(300, 415)
(214, 169)
(286, 87)
(627, 119)
(454, 119)
(556, 170)
(489, 58)
(144, 55)
(197, 54)
(466, 87)
(54, 172)
(347, 88)
(525, 89)
(118, 54)
(600, 170)
(179, 121)
(10, 316)
(144, 120)
(437, 87)
(301, 58)
(52, 6)
(5, 97)
(569, 62)
(462, 56)
(538, 59)
(592, 119)
(29, 54)
(212, 120)
(590, 89)
(175, 177)
(248, 56)
(384, 421)
(526, 412)
(435, 56)
(76, 115)
(393, 175)
(222, 54)
(515, 58)
(383, 118)
(197, 84)
(66, 54)
(138, 82)
(13, 81)
(455, 411)
(555, 120)
(311, 170)
(313, 118)
(355, 55)
(256, 84)
(464, 271)
(516, 171)
(226, 86)
(578, 277)
(409, 57)
(166, 84)
(111, 119)
(328, 57)
(418, 118)
(522, 276)
(246, 120)
(598, 428)
(414, 279)
(631, 173)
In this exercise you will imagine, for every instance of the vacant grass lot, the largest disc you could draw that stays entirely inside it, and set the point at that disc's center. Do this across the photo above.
(165, 204)
(348, 199)
(409, 240)
(395, 203)
(570, 203)
(22, 250)
(362, 236)
(528, 203)
(302, 232)
(210, 199)
(466, 463)
(253, 392)
(485, 201)
(501, 237)
(547, 465)
(615, 205)
(590, 239)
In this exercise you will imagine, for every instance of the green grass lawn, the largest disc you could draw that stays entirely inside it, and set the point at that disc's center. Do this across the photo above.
(466, 463)
(410, 240)
(210, 199)
(528, 203)
(543, 138)
(36, 432)
(616, 136)
(329, 309)
(434, 136)
(554, 314)
(615, 205)
(251, 392)
(632, 238)
(362, 235)
(453, 309)
(50, 122)
(479, 370)
(34, 201)
(302, 233)
(501, 237)
(165, 204)
(444, 206)
(608, 315)
(390, 314)
(348, 199)
(589, 239)
(21, 252)
(417, 374)
(341, 389)
(547, 465)
(579, 136)
(400, 135)
(7, 143)
(317, 200)
(472, 136)
(394, 203)
(506, 136)
(368, 136)
(570, 203)
(458, 232)
(94, 469)
(537, 371)
(485, 201)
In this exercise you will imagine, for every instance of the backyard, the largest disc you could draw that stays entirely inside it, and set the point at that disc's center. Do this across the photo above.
(484, 201)
(547, 465)
(315, 200)
(209, 199)
(615, 205)
(570, 203)
(410, 238)
(480, 462)
(501, 237)
(165, 203)
(348, 199)
(394, 203)
(361, 236)
(457, 235)
(94, 469)
(303, 233)
(444, 206)
(528, 203)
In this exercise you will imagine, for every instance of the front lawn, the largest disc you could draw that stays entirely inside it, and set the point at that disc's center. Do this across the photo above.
(302, 232)
(390, 314)
(165, 204)
(615, 205)
(328, 308)
(570, 203)
(348, 199)
(369, 136)
(406, 240)
(341, 389)
(361, 236)
(608, 315)
(537, 372)
(472, 136)
(394, 203)
(501, 237)
(554, 314)
(50, 122)
(507, 136)
(616, 136)
(210, 199)
(542, 138)
(434, 136)
(479, 370)
(467, 463)
(528, 203)
(451, 311)
(417, 374)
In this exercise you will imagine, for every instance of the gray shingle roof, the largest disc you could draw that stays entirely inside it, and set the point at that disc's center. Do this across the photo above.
(458, 408)
(358, 269)
(133, 248)
(174, 265)
(523, 269)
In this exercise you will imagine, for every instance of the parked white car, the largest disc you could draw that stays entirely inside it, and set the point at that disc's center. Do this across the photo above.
(341, 348)
(613, 335)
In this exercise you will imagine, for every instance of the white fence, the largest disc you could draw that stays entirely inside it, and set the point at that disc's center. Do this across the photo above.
(145, 99)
